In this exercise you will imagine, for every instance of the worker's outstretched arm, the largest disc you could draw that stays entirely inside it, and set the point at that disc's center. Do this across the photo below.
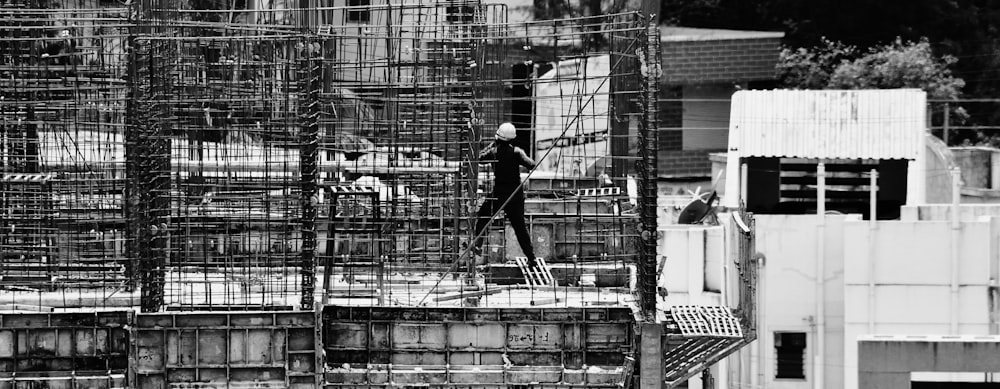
(525, 160)
(489, 153)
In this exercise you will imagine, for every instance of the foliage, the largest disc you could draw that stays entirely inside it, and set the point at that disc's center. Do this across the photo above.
(812, 69)
(899, 64)
(965, 29)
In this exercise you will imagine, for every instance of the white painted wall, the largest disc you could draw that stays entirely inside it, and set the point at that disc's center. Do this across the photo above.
(699, 269)
(912, 285)
(966, 212)
(693, 271)
(789, 243)
(912, 273)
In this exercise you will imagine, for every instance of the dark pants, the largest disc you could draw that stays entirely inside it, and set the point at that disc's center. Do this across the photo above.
(515, 215)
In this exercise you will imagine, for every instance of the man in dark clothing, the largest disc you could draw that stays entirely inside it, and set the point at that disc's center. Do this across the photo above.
(507, 160)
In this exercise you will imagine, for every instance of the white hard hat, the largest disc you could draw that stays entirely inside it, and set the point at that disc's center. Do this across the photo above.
(507, 132)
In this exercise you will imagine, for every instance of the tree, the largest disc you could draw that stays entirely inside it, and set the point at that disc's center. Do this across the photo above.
(812, 68)
(834, 65)
(899, 64)
(965, 29)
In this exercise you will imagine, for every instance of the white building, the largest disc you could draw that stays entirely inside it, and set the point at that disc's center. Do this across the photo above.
(926, 273)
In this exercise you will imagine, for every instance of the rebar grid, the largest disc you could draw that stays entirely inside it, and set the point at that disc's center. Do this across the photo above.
(62, 93)
(259, 150)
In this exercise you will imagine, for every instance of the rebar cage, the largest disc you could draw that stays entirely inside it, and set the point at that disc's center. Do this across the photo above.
(62, 91)
(235, 158)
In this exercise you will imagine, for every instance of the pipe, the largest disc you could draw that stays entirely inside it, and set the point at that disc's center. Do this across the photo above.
(872, 225)
(818, 359)
(761, 327)
(956, 232)
(744, 171)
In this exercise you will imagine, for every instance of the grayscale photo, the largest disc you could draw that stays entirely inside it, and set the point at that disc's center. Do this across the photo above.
(489, 194)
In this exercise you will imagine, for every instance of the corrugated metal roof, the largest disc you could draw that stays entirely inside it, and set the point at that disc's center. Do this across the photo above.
(828, 124)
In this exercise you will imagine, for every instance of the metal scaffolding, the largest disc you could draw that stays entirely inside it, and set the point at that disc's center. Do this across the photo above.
(237, 158)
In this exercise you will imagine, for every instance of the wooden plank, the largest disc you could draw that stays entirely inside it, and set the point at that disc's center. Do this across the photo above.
(811, 180)
(830, 194)
(830, 168)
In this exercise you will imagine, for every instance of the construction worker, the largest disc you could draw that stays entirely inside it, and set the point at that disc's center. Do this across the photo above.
(507, 160)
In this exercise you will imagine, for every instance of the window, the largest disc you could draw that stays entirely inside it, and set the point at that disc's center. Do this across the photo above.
(359, 11)
(460, 14)
(790, 350)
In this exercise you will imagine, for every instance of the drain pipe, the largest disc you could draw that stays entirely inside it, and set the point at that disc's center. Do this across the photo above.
(744, 172)
(872, 225)
(818, 367)
(758, 360)
(956, 232)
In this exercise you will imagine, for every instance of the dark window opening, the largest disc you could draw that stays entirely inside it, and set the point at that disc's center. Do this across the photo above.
(461, 14)
(789, 186)
(359, 11)
(790, 353)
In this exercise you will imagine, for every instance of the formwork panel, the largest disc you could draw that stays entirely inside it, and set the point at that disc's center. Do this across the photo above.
(505, 346)
(72, 350)
(240, 349)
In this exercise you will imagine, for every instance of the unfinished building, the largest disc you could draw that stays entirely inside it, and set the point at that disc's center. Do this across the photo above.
(283, 194)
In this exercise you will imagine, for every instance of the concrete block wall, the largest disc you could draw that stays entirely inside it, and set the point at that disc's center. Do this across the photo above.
(684, 163)
(670, 118)
(732, 60)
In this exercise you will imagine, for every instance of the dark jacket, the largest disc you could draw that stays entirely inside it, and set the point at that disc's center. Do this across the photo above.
(507, 160)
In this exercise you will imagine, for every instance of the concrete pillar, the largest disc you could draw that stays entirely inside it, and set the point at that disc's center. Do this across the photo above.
(651, 374)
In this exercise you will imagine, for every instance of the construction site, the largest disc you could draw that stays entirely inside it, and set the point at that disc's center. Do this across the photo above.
(284, 194)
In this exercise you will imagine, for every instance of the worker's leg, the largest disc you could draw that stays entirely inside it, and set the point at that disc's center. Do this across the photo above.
(515, 214)
(486, 211)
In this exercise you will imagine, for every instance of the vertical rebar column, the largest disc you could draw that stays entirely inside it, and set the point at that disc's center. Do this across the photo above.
(646, 170)
(132, 124)
(310, 74)
(148, 153)
(148, 184)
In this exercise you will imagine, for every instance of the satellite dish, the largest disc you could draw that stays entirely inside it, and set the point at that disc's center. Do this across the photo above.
(698, 209)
